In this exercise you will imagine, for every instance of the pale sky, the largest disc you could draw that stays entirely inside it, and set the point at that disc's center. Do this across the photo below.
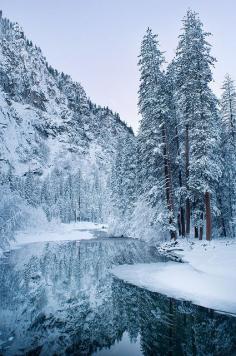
(97, 41)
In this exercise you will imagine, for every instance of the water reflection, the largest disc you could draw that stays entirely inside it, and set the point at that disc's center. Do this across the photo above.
(170, 327)
(59, 299)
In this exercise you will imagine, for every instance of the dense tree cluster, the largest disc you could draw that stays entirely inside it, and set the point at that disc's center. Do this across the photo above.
(64, 196)
(185, 163)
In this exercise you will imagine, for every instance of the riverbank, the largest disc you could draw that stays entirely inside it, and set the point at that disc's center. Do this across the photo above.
(53, 232)
(207, 277)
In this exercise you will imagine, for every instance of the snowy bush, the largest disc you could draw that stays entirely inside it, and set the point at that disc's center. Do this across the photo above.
(144, 224)
(16, 214)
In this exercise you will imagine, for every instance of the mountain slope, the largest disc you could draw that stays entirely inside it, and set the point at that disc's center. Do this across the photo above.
(46, 103)
(56, 147)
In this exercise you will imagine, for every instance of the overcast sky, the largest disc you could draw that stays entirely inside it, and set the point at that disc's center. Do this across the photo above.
(97, 41)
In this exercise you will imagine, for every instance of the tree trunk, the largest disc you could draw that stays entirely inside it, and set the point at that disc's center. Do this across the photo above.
(181, 212)
(201, 228)
(168, 182)
(208, 215)
(187, 208)
(79, 202)
(222, 217)
(196, 232)
(179, 224)
(187, 205)
(182, 221)
(201, 232)
(223, 225)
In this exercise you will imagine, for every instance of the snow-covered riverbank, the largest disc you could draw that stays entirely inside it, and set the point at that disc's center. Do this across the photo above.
(59, 232)
(206, 278)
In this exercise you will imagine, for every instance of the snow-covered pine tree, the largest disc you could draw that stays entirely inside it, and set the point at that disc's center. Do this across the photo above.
(176, 147)
(228, 108)
(155, 172)
(32, 189)
(199, 121)
(228, 184)
(123, 184)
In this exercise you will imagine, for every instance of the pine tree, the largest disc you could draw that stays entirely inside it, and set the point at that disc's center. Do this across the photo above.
(199, 121)
(175, 144)
(123, 183)
(155, 172)
(228, 184)
(228, 109)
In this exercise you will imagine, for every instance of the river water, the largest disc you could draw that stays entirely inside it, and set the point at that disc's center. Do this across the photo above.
(60, 299)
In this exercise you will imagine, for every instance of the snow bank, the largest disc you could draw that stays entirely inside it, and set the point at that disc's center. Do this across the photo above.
(207, 279)
(59, 232)
(217, 257)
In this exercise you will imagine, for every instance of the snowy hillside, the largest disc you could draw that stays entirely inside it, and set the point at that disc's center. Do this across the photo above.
(56, 146)
(45, 116)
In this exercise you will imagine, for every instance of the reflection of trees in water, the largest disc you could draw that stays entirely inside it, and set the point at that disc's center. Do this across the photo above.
(63, 301)
(170, 327)
(58, 296)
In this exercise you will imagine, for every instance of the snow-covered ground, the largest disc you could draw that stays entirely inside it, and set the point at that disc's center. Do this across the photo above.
(207, 278)
(59, 232)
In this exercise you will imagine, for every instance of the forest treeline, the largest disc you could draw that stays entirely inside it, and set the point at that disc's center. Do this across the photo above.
(64, 158)
(178, 178)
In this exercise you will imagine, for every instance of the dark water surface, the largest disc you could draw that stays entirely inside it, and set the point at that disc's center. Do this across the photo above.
(60, 299)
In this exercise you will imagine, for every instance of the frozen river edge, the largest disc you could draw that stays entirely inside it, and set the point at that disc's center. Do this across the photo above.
(207, 278)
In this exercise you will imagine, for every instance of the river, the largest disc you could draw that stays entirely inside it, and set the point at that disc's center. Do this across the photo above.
(60, 299)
